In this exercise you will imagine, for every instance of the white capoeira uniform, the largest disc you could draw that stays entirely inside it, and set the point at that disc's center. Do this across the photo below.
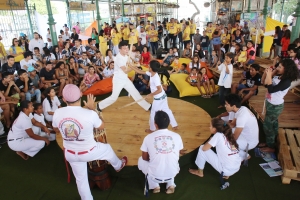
(160, 102)
(18, 140)
(226, 160)
(228, 118)
(246, 119)
(163, 147)
(38, 131)
(120, 81)
(76, 125)
(47, 107)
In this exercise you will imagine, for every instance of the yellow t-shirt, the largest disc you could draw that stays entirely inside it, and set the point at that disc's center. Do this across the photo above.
(225, 38)
(147, 28)
(134, 34)
(102, 45)
(153, 33)
(125, 33)
(180, 27)
(253, 35)
(186, 34)
(18, 50)
(115, 37)
(2, 51)
(243, 56)
(209, 32)
(172, 28)
(193, 28)
(232, 30)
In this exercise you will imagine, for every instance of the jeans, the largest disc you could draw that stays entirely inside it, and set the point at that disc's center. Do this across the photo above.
(154, 47)
(170, 37)
(36, 93)
(139, 87)
(222, 93)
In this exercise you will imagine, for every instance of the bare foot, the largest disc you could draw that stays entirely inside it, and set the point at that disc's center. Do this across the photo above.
(197, 172)
(226, 177)
(182, 151)
(175, 128)
(23, 155)
(148, 131)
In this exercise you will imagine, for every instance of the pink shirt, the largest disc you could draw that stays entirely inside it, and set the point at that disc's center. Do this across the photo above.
(89, 80)
(77, 29)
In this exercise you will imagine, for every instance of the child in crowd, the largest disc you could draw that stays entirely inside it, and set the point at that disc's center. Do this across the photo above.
(285, 41)
(232, 48)
(90, 78)
(207, 82)
(109, 71)
(167, 61)
(187, 52)
(50, 104)
(225, 79)
(214, 59)
(226, 160)
(195, 63)
(204, 42)
(175, 52)
(194, 80)
(199, 52)
(243, 57)
(146, 56)
(39, 117)
(181, 70)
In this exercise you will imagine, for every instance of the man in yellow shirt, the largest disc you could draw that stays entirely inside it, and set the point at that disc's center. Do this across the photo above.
(209, 30)
(125, 32)
(173, 31)
(133, 35)
(260, 35)
(3, 53)
(193, 30)
(186, 34)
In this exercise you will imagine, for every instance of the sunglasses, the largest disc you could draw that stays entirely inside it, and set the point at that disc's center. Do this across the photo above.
(16, 41)
(59, 37)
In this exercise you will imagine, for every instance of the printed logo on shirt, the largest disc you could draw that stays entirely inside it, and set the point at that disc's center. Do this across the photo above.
(71, 129)
(164, 144)
(232, 148)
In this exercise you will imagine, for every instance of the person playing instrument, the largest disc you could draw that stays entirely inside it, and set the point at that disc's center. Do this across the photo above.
(160, 154)
(160, 101)
(76, 125)
(121, 80)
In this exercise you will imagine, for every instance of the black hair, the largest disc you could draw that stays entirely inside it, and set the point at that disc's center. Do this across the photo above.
(251, 42)
(46, 51)
(58, 64)
(233, 100)
(187, 23)
(194, 68)
(37, 105)
(90, 40)
(185, 65)
(230, 55)
(161, 119)
(255, 66)
(6, 74)
(36, 48)
(46, 93)
(123, 43)
(291, 71)
(292, 46)
(27, 54)
(54, 52)
(287, 34)
(21, 71)
(277, 29)
(108, 50)
(154, 65)
(9, 57)
(24, 104)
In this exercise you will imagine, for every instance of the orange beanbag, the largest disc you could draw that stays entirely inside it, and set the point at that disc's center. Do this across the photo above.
(101, 87)
(208, 72)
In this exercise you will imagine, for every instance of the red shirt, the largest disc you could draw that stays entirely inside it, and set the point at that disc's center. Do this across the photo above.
(107, 31)
(285, 43)
(146, 58)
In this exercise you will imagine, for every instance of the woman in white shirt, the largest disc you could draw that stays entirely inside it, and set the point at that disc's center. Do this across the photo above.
(50, 104)
(109, 71)
(109, 56)
(21, 137)
(227, 160)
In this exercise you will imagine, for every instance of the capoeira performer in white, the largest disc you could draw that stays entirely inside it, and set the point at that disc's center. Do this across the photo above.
(21, 137)
(121, 80)
(160, 155)
(76, 125)
(158, 94)
(244, 125)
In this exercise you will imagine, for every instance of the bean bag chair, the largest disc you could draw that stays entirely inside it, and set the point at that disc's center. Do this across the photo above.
(184, 88)
(208, 72)
(131, 74)
(101, 87)
(183, 60)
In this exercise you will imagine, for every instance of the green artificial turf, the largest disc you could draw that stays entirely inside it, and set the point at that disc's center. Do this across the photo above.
(45, 177)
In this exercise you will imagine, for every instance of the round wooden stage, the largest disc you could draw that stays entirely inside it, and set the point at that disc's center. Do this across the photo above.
(125, 128)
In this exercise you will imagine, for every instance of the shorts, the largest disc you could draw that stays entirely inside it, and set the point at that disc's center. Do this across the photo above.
(243, 86)
(250, 62)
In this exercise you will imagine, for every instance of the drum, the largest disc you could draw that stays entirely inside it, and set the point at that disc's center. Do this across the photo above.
(97, 169)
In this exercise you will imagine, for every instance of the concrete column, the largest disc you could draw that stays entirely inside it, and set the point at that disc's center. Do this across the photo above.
(51, 23)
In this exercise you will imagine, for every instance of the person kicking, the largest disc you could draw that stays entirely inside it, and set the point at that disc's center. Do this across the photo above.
(160, 101)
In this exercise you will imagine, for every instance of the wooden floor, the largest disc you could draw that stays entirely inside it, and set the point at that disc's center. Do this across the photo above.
(125, 128)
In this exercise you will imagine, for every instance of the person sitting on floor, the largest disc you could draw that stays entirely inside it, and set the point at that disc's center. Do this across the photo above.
(62, 75)
(226, 160)
(89, 79)
(108, 71)
(84, 63)
(250, 88)
(187, 52)
(167, 61)
(27, 61)
(160, 155)
(140, 82)
(207, 83)
(195, 63)
(47, 75)
(21, 137)
(194, 80)
(244, 125)
(50, 104)
(26, 87)
(181, 70)
(214, 60)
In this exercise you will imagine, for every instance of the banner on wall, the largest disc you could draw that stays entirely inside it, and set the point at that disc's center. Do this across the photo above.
(138, 9)
(270, 30)
(149, 8)
(127, 9)
(12, 5)
(82, 6)
(75, 5)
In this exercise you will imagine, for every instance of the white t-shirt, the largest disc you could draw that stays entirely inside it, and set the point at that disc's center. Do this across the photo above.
(47, 108)
(276, 98)
(225, 79)
(76, 125)
(119, 62)
(144, 37)
(24, 63)
(22, 123)
(41, 119)
(232, 49)
(107, 59)
(228, 154)
(50, 58)
(246, 119)
(108, 72)
(79, 50)
(154, 82)
(36, 43)
(163, 147)
(49, 43)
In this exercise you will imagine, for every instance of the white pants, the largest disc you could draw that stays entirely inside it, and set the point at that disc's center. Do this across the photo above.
(49, 118)
(161, 105)
(242, 142)
(153, 183)
(28, 146)
(79, 165)
(38, 131)
(118, 85)
(116, 49)
(295, 83)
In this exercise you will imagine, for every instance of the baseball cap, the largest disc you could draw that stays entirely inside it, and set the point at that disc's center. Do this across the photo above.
(71, 93)
(31, 69)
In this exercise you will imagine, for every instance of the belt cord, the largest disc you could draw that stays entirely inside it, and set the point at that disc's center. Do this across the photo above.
(67, 167)
(146, 189)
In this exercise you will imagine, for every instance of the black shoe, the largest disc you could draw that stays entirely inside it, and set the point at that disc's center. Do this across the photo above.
(3, 140)
(150, 107)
